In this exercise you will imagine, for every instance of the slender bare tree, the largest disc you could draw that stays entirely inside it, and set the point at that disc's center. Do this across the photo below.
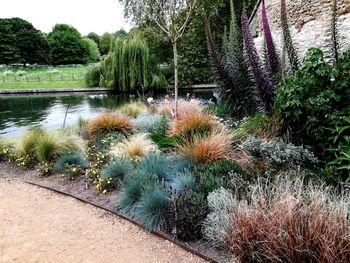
(171, 16)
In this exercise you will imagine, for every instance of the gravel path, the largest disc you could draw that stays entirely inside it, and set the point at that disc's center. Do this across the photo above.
(37, 225)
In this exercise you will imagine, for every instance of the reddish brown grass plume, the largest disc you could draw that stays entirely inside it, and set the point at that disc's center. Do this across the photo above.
(109, 122)
(217, 146)
(192, 124)
(290, 222)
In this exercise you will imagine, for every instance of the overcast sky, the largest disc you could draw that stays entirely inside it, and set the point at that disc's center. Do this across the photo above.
(85, 15)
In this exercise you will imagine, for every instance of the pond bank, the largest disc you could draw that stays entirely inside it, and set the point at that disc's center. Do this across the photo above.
(52, 90)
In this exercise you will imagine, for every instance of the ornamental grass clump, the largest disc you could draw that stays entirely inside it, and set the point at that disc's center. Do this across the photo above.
(65, 160)
(109, 122)
(285, 221)
(147, 122)
(185, 107)
(133, 109)
(216, 146)
(113, 174)
(152, 206)
(134, 148)
(194, 123)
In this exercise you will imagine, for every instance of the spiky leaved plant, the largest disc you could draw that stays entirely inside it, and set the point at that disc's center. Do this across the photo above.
(334, 30)
(232, 78)
(273, 59)
(266, 92)
(287, 38)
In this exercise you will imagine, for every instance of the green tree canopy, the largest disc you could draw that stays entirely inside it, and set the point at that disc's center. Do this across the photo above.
(67, 46)
(105, 43)
(93, 53)
(95, 37)
(21, 43)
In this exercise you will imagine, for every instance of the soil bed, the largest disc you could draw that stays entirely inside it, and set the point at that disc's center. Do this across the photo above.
(85, 191)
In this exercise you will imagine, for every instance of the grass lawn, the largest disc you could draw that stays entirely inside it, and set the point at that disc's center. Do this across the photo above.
(43, 77)
(42, 85)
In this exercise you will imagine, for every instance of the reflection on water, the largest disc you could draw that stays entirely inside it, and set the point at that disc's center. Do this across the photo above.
(20, 112)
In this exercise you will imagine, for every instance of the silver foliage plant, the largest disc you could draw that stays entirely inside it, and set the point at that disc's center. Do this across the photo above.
(279, 155)
(217, 224)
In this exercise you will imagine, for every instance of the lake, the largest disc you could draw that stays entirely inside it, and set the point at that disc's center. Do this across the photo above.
(20, 112)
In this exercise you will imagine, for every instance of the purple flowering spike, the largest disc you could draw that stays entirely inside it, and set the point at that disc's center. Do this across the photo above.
(270, 46)
(264, 85)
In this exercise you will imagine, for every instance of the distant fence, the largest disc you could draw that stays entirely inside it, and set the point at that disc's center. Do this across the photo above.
(42, 78)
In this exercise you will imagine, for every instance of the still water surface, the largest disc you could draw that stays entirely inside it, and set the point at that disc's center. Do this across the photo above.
(20, 112)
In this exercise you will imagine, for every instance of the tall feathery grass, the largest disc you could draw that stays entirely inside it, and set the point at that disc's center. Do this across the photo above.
(133, 109)
(215, 147)
(185, 107)
(45, 146)
(134, 148)
(109, 122)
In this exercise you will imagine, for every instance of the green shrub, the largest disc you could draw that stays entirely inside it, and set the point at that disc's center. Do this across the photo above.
(44, 168)
(105, 141)
(313, 100)
(92, 77)
(159, 81)
(279, 156)
(191, 205)
(340, 150)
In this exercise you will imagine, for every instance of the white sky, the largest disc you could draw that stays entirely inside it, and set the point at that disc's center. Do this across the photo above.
(97, 16)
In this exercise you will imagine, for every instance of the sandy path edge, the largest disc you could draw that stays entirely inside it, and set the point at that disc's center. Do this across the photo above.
(37, 225)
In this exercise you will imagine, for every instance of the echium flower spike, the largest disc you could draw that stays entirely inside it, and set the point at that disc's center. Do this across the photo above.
(287, 38)
(264, 85)
(274, 61)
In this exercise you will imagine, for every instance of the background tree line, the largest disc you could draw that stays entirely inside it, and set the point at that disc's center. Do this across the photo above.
(22, 43)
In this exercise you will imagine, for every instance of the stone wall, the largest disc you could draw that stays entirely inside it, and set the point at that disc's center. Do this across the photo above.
(310, 22)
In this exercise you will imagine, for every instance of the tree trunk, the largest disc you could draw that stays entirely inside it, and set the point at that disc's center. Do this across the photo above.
(176, 73)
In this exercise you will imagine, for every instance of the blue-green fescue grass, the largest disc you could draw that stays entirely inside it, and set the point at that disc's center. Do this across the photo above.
(43, 77)
(147, 122)
(182, 182)
(70, 159)
(131, 192)
(156, 164)
(151, 208)
(116, 171)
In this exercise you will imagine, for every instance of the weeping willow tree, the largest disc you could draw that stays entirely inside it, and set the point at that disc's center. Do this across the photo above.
(131, 69)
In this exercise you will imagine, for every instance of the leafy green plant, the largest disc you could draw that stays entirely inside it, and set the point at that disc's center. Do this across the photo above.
(46, 148)
(313, 100)
(277, 156)
(340, 140)
(44, 168)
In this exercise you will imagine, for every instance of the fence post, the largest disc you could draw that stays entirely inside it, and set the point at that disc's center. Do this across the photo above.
(73, 77)
(38, 78)
(50, 77)
(27, 78)
(14, 76)
(61, 78)
(3, 79)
